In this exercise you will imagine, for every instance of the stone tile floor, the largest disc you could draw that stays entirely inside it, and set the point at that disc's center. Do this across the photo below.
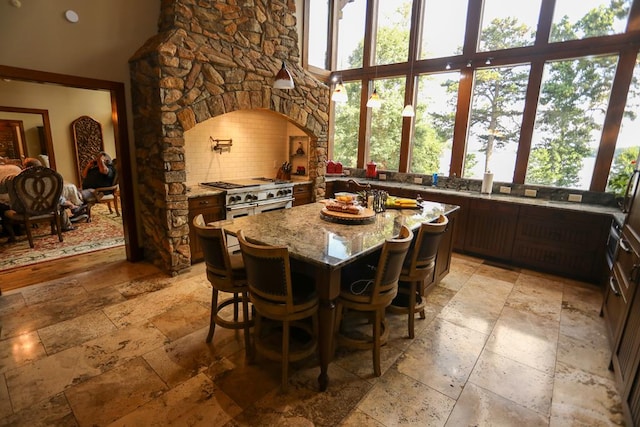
(499, 347)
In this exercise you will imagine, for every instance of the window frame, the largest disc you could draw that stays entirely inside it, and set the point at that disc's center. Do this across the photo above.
(626, 45)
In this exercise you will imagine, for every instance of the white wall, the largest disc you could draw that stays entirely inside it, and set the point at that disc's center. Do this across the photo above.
(37, 36)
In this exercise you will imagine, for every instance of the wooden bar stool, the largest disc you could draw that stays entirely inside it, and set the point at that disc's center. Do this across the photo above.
(226, 273)
(379, 288)
(419, 266)
(278, 294)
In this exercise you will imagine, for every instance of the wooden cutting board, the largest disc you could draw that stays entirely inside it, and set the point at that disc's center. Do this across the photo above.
(344, 216)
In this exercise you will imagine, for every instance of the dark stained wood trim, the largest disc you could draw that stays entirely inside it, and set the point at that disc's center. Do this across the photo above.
(305, 34)
(544, 22)
(613, 119)
(463, 109)
(472, 31)
(410, 85)
(46, 124)
(123, 148)
(528, 121)
(633, 23)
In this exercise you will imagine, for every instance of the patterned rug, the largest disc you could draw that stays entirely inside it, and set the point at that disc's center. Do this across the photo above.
(104, 231)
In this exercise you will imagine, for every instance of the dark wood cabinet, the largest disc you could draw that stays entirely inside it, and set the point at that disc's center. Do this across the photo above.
(621, 310)
(491, 228)
(302, 194)
(212, 209)
(461, 215)
(443, 259)
(568, 243)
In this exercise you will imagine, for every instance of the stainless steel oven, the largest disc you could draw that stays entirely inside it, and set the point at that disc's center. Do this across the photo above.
(274, 205)
(613, 241)
(239, 211)
(253, 196)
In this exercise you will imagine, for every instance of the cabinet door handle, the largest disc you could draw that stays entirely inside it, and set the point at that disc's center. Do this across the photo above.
(624, 246)
(613, 286)
(203, 202)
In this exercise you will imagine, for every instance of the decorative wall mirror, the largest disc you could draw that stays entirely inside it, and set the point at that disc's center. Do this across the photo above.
(26, 132)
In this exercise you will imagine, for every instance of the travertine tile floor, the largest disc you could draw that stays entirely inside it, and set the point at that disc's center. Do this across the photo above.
(126, 346)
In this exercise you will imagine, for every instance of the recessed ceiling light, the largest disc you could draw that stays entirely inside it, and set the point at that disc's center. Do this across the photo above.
(71, 16)
(16, 3)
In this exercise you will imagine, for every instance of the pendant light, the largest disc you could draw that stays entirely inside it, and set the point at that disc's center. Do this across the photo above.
(340, 94)
(374, 101)
(408, 110)
(283, 79)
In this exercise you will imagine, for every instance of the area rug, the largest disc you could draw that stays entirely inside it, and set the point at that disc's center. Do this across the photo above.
(104, 231)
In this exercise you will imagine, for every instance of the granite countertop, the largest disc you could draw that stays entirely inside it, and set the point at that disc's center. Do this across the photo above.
(202, 191)
(313, 239)
(531, 201)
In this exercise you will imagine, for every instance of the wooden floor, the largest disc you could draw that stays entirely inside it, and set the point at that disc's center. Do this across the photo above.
(50, 270)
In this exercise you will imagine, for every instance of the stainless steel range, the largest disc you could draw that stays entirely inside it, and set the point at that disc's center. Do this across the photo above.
(254, 195)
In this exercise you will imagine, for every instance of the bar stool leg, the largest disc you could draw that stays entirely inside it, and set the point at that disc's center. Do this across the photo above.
(214, 313)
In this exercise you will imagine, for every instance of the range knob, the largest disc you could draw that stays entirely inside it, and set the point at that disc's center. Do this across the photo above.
(248, 197)
(270, 196)
(254, 197)
(279, 193)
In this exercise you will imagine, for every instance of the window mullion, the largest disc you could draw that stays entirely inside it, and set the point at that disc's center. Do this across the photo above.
(528, 121)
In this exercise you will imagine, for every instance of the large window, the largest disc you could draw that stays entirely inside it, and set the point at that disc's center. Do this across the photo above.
(626, 154)
(496, 118)
(351, 24)
(497, 85)
(573, 100)
(440, 18)
(392, 37)
(578, 19)
(435, 117)
(347, 121)
(508, 24)
(319, 27)
(386, 124)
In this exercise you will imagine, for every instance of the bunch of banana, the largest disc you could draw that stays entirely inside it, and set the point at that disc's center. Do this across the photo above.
(401, 202)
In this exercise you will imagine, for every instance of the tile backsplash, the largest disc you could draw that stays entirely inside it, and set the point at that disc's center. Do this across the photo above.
(260, 145)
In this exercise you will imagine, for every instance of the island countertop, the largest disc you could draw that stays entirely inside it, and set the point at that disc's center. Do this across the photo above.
(315, 240)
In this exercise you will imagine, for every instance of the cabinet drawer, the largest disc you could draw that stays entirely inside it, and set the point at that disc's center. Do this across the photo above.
(301, 194)
(206, 201)
(302, 189)
(627, 267)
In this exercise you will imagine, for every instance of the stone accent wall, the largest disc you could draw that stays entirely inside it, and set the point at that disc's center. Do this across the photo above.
(209, 58)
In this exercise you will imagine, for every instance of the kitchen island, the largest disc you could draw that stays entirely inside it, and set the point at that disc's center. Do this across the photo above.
(321, 248)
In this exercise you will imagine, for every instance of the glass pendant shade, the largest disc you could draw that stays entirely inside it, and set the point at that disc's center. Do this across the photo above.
(340, 94)
(283, 79)
(408, 111)
(374, 101)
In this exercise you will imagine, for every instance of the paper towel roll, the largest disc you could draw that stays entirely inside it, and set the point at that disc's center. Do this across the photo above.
(487, 183)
